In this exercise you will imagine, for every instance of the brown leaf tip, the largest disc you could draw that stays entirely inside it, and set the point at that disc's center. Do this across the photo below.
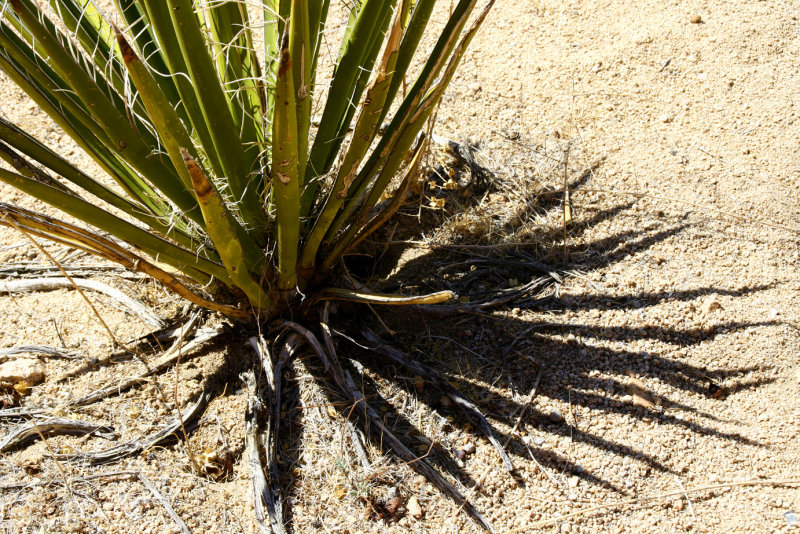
(128, 54)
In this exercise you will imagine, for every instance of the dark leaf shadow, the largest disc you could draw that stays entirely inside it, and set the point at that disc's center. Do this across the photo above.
(494, 353)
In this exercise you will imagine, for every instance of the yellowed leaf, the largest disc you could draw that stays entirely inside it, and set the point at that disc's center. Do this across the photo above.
(22, 387)
(437, 203)
(339, 493)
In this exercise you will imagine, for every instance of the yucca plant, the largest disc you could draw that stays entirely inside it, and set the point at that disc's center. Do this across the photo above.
(223, 184)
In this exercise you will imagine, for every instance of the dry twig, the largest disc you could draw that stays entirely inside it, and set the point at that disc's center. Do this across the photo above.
(365, 411)
(166, 359)
(77, 480)
(528, 402)
(56, 282)
(355, 435)
(143, 443)
(45, 350)
(28, 431)
(266, 483)
(164, 502)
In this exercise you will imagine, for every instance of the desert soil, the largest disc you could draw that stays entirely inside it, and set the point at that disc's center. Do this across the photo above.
(668, 361)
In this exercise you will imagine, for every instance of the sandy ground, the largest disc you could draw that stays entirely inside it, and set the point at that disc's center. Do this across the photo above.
(669, 361)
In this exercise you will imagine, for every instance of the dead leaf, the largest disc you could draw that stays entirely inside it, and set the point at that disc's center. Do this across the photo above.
(393, 505)
(23, 388)
(215, 465)
(419, 383)
(641, 397)
(437, 203)
(716, 391)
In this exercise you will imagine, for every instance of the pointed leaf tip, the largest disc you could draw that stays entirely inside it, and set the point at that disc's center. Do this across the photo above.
(199, 181)
(128, 53)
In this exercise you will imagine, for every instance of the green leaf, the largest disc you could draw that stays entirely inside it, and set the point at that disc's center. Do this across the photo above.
(317, 14)
(40, 153)
(238, 67)
(285, 177)
(411, 38)
(365, 129)
(86, 24)
(300, 50)
(354, 57)
(236, 166)
(144, 39)
(54, 97)
(120, 132)
(160, 24)
(399, 142)
(165, 119)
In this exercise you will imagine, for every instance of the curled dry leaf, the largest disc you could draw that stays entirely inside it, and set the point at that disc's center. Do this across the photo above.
(641, 397)
(393, 505)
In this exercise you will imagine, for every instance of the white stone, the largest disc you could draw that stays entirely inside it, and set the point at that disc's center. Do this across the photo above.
(28, 370)
(413, 507)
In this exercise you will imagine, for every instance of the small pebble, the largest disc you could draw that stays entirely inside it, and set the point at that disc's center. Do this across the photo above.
(192, 374)
(695, 19)
(538, 441)
(27, 370)
(556, 417)
(566, 299)
(709, 306)
(791, 518)
(469, 448)
(392, 505)
(414, 508)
